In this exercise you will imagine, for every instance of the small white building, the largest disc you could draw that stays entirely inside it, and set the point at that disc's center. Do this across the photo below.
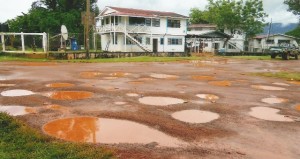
(136, 30)
(210, 40)
(263, 42)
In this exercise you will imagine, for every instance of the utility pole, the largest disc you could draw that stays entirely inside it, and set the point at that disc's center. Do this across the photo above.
(87, 28)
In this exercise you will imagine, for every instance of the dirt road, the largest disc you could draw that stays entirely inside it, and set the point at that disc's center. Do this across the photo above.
(155, 97)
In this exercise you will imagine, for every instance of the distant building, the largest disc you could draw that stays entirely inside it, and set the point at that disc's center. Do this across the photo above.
(136, 30)
(263, 42)
(208, 39)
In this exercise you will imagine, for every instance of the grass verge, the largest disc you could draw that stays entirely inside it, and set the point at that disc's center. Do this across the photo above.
(19, 141)
(284, 75)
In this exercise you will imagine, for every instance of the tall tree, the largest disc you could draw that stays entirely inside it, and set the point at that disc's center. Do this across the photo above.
(294, 6)
(245, 15)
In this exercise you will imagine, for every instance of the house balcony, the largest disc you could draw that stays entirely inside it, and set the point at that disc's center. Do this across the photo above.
(130, 29)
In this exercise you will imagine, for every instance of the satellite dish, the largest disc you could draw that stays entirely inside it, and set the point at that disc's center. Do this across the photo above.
(64, 32)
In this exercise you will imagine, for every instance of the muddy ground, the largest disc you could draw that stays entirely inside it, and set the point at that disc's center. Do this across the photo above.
(235, 134)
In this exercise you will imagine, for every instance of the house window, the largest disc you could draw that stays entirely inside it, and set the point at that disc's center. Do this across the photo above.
(148, 21)
(162, 41)
(148, 41)
(270, 42)
(174, 41)
(106, 20)
(117, 21)
(156, 23)
(173, 23)
(136, 21)
(231, 46)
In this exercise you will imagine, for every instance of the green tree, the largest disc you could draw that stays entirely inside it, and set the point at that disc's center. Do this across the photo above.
(245, 15)
(197, 16)
(294, 6)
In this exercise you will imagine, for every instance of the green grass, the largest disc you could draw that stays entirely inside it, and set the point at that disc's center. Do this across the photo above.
(127, 59)
(19, 141)
(284, 75)
(250, 57)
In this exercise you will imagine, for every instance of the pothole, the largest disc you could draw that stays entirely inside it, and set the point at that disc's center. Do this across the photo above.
(119, 74)
(274, 100)
(136, 82)
(132, 95)
(160, 101)
(298, 107)
(110, 78)
(107, 131)
(7, 85)
(90, 74)
(280, 84)
(120, 103)
(195, 116)
(220, 83)
(268, 88)
(209, 97)
(17, 110)
(203, 78)
(295, 82)
(60, 85)
(17, 93)
(270, 114)
(163, 76)
(70, 95)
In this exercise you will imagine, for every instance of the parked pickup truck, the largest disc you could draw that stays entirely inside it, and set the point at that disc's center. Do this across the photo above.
(285, 52)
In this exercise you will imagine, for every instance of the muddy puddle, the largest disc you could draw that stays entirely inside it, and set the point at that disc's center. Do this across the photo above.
(7, 85)
(60, 85)
(107, 131)
(270, 114)
(195, 116)
(132, 95)
(163, 76)
(120, 103)
(70, 95)
(268, 88)
(295, 82)
(281, 84)
(274, 100)
(17, 93)
(145, 79)
(298, 107)
(160, 101)
(91, 74)
(136, 82)
(220, 83)
(17, 110)
(203, 78)
(119, 74)
(56, 107)
(209, 97)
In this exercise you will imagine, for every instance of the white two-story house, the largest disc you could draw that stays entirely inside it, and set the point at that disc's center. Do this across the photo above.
(136, 30)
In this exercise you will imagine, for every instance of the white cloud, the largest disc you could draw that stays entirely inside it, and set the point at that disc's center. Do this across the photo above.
(10, 9)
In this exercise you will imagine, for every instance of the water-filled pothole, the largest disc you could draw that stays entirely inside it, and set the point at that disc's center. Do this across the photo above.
(220, 83)
(270, 114)
(120, 103)
(17, 93)
(107, 131)
(136, 82)
(163, 76)
(280, 84)
(17, 110)
(119, 74)
(7, 85)
(132, 95)
(298, 107)
(203, 78)
(90, 74)
(70, 95)
(195, 116)
(295, 82)
(274, 100)
(160, 101)
(60, 85)
(209, 97)
(268, 88)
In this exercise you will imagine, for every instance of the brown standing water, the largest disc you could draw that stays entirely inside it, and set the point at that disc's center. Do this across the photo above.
(70, 95)
(60, 85)
(220, 83)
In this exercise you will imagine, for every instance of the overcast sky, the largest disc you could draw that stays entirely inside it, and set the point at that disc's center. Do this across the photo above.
(275, 8)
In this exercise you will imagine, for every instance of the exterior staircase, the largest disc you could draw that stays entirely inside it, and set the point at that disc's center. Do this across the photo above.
(132, 39)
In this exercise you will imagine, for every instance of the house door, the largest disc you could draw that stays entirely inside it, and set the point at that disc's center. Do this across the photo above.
(155, 45)
(217, 46)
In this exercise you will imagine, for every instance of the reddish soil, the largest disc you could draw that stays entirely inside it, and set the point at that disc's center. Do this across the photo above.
(235, 134)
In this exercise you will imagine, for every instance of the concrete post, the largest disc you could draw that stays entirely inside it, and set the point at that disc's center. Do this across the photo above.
(45, 42)
(23, 42)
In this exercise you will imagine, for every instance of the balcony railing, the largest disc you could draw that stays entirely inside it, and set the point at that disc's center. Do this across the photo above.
(122, 28)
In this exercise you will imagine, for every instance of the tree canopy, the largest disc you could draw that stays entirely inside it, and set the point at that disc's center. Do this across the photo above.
(49, 15)
(245, 15)
(294, 6)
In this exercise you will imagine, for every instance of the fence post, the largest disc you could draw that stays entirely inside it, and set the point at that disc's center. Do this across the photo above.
(23, 43)
(3, 42)
(45, 42)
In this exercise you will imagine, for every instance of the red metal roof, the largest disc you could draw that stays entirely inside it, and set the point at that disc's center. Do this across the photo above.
(144, 13)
